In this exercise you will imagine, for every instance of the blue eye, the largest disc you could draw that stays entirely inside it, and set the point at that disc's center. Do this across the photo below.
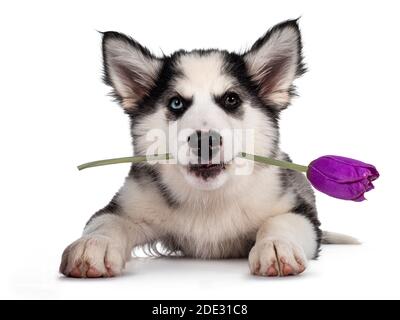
(176, 103)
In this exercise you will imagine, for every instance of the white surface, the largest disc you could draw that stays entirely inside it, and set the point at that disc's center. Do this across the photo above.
(55, 114)
(340, 273)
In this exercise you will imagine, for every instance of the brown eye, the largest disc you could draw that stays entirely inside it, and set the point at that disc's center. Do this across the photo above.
(231, 100)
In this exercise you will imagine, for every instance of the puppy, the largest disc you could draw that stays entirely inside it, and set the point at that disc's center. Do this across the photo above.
(206, 204)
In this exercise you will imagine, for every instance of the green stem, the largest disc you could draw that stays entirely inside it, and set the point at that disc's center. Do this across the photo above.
(274, 162)
(137, 159)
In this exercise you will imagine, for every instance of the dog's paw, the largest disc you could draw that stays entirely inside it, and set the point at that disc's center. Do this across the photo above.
(277, 257)
(93, 257)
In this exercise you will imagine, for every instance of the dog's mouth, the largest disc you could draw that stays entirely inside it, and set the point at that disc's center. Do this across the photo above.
(206, 171)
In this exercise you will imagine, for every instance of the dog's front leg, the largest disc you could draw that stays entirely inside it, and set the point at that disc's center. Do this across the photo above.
(104, 247)
(283, 245)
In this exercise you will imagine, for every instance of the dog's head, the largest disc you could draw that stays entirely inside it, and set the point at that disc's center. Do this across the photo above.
(205, 106)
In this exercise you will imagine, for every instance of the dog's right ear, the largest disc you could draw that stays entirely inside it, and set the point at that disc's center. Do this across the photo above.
(129, 68)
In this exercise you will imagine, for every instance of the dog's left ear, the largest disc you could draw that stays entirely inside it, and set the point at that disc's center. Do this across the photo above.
(274, 61)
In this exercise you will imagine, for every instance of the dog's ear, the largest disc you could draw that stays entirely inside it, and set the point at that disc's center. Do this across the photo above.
(274, 61)
(129, 68)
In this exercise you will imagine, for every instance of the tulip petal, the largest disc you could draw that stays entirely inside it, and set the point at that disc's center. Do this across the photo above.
(359, 199)
(373, 172)
(346, 191)
(351, 162)
(344, 170)
(368, 185)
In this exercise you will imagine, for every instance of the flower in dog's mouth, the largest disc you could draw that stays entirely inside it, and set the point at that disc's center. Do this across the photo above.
(206, 171)
(336, 176)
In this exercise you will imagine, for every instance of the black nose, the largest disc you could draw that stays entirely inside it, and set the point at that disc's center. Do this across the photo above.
(205, 145)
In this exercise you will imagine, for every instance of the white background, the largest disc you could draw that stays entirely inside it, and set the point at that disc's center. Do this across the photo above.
(55, 114)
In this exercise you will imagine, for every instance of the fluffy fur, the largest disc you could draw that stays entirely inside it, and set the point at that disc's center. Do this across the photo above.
(267, 215)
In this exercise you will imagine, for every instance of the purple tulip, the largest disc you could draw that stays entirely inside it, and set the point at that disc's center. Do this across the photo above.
(342, 177)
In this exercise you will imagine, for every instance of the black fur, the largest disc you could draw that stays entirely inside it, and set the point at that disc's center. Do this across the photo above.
(308, 211)
(148, 104)
(286, 175)
(112, 208)
(235, 66)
